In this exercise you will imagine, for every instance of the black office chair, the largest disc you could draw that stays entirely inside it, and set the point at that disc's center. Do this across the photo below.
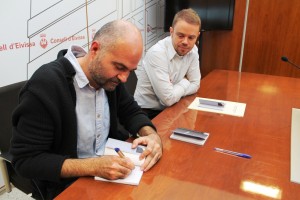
(8, 102)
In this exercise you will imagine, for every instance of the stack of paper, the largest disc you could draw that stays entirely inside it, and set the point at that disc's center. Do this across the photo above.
(218, 106)
(134, 154)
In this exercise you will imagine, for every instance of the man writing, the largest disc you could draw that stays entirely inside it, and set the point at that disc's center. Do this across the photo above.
(170, 69)
(69, 108)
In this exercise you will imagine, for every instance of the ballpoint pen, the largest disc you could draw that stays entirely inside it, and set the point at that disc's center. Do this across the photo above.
(243, 155)
(120, 153)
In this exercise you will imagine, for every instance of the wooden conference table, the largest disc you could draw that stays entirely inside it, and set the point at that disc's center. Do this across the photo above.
(188, 171)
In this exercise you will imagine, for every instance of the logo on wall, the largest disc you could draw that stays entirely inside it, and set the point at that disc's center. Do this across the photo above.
(43, 42)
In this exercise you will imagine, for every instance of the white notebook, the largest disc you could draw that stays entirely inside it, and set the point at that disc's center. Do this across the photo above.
(228, 107)
(136, 174)
(133, 179)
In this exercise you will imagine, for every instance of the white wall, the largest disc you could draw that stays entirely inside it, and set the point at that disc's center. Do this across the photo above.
(33, 31)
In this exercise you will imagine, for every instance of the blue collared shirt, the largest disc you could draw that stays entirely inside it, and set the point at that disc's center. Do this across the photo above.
(92, 110)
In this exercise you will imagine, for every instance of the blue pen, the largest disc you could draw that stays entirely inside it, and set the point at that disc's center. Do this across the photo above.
(243, 155)
(119, 152)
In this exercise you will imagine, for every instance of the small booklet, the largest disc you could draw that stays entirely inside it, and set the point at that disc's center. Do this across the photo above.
(191, 136)
(218, 106)
(134, 154)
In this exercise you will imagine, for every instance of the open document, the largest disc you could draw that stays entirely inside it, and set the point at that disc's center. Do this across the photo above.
(134, 154)
(218, 106)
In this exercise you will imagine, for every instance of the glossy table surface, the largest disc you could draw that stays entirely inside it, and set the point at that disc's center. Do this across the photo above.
(188, 171)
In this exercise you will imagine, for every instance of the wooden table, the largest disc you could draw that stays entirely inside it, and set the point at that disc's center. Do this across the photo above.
(188, 171)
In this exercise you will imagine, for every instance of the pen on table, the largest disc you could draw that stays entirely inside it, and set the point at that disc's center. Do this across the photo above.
(243, 155)
(120, 153)
(211, 103)
(220, 104)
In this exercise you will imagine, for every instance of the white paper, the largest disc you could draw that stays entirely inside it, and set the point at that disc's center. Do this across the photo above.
(295, 146)
(133, 178)
(231, 108)
(136, 174)
(134, 158)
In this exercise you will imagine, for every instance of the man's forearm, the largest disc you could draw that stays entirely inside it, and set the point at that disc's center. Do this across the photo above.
(146, 130)
(77, 167)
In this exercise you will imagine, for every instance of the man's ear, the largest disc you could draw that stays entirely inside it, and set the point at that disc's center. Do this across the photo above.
(171, 30)
(95, 46)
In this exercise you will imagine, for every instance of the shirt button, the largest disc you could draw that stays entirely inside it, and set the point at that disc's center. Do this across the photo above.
(98, 115)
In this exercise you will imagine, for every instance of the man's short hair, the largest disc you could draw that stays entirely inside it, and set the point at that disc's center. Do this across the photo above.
(108, 34)
(188, 15)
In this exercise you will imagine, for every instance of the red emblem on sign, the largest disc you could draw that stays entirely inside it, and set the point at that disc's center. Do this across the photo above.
(43, 42)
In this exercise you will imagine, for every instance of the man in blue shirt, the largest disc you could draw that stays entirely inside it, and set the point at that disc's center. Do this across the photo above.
(69, 108)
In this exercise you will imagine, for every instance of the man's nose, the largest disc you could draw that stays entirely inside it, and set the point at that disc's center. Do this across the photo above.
(123, 76)
(185, 40)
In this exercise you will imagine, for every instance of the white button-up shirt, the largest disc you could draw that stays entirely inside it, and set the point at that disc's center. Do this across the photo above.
(165, 77)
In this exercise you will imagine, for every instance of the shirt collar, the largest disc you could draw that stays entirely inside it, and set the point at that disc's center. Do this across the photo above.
(73, 53)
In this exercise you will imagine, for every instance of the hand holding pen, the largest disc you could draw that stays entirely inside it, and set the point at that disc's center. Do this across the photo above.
(122, 155)
(119, 152)
(109, 167)
(116, 167)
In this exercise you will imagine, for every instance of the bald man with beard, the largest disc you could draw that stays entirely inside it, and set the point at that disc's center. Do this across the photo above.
(69, 107)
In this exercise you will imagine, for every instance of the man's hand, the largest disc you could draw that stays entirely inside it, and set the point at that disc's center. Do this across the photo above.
(113, 167)
(153, 151)
(109, 167)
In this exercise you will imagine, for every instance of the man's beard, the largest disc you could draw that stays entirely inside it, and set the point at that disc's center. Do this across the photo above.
(111, 84)
(182, 49)
(102, 82)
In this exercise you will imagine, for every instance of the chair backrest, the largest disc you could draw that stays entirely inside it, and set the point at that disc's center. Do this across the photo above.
(8, 102)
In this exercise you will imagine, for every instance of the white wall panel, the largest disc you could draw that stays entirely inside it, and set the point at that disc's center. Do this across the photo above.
(38, 6)
(54, 14)
(37, 30)
(154, 12)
